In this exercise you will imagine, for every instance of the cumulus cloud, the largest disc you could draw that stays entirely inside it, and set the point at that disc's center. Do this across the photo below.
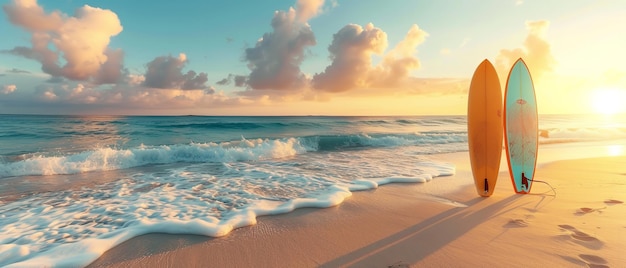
(8, 89)
(74, 47)
(111, 71)
(150, 98)
(129, 97)
(224, 81)
(351, 53)
(536, 51)
(166, 72)
(400, 61)
(239, 80)
(135, 79)
(76, 94)
(275, 59)
(307, 9)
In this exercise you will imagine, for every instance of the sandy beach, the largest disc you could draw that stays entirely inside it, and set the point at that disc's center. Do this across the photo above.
(312, 133)
(405, 225)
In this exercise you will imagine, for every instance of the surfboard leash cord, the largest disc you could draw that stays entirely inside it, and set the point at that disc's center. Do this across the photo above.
(546, 183)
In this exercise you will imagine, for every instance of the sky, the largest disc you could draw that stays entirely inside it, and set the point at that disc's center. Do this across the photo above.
(304, 57)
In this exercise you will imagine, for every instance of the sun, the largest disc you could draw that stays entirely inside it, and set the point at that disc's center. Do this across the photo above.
(609, 101)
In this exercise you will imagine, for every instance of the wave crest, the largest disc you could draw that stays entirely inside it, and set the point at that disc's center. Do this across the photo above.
(102, 159)
(111, 159)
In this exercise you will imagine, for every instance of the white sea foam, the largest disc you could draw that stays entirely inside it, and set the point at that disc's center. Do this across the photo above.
(74, 227)
(83, 251)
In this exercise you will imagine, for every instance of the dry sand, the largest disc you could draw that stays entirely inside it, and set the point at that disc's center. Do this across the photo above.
(401, 225)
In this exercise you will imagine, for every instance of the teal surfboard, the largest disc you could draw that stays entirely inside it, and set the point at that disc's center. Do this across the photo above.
(521, 127)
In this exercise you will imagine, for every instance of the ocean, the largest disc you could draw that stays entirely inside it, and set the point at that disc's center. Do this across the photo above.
(72, 187)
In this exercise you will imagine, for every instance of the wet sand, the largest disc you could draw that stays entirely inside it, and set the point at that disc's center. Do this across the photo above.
(404, 225)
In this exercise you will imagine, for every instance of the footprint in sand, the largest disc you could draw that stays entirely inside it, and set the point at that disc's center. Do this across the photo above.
(583, 211)
(576, 234)
(594, 261)
(612, 202)
(516, 223)
(586, 210)
(582, 238)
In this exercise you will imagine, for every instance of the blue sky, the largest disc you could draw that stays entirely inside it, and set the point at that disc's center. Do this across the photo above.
(393, 57)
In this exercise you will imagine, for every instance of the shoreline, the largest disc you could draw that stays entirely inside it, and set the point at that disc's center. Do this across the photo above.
(401, 224)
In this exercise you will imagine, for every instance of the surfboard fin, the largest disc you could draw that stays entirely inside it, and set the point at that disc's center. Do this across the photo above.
(524, 182)
(486, 186)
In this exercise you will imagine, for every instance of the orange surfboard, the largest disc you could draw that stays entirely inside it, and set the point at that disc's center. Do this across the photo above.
(484, 127)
